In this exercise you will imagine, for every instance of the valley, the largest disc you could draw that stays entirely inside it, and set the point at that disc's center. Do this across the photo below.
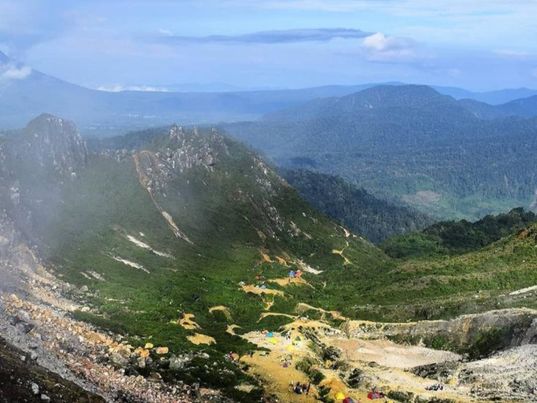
(185, 268)
(270, 201)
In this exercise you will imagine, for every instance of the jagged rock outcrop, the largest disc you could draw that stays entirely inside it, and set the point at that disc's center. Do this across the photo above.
(183, 151)
(51, 144)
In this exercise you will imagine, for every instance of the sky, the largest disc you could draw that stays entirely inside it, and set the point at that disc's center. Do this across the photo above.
(253, 44)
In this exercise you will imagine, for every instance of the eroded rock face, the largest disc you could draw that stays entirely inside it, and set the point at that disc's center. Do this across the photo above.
(503, 328)
(508, 375)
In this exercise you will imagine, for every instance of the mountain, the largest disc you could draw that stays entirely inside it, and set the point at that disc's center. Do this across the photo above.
(29, 92)
(500, 97)
(522, 107)
(526, 107)
(101, 113)
(162, 268)
(496, 97)
(187, 222)
(408, 143)
(355, 208)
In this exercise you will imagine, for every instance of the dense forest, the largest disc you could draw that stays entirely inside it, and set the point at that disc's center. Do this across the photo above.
(353, 207)
(409, 143)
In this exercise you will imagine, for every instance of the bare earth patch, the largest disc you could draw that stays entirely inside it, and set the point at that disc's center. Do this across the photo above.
(199, 338)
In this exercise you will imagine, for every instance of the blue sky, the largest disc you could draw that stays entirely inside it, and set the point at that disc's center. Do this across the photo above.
(144, 44)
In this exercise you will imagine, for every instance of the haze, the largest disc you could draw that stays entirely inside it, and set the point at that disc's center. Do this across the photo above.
(239, 44)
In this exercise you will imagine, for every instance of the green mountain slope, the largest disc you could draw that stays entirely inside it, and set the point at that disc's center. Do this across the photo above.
(188, 222)
(355, 208)
(501, 275)
(409, 143)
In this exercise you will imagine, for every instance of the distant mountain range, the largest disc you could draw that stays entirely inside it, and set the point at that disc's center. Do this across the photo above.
(429, 150)
(102, 113)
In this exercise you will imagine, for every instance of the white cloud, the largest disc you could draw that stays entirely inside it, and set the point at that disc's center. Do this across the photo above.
(380, 47)
(11, 72)
(395, 7)
(512, 54)
(141, 88)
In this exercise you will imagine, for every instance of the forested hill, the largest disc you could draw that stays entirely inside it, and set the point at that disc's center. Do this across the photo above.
(353, 207)
(409, 143)
(455, 237)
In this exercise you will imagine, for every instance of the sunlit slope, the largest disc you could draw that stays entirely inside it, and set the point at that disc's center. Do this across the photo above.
(500, 275)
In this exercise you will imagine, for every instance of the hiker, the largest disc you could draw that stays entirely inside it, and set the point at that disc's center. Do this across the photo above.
(291, 274)
(306, 388)
(298, 388)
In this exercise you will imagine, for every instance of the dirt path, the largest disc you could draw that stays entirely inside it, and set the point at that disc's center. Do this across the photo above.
(302, 308)
(346, 261)
(266, 314)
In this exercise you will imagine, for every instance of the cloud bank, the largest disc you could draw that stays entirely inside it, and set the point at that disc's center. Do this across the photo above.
(271, 37)
(12, 71)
